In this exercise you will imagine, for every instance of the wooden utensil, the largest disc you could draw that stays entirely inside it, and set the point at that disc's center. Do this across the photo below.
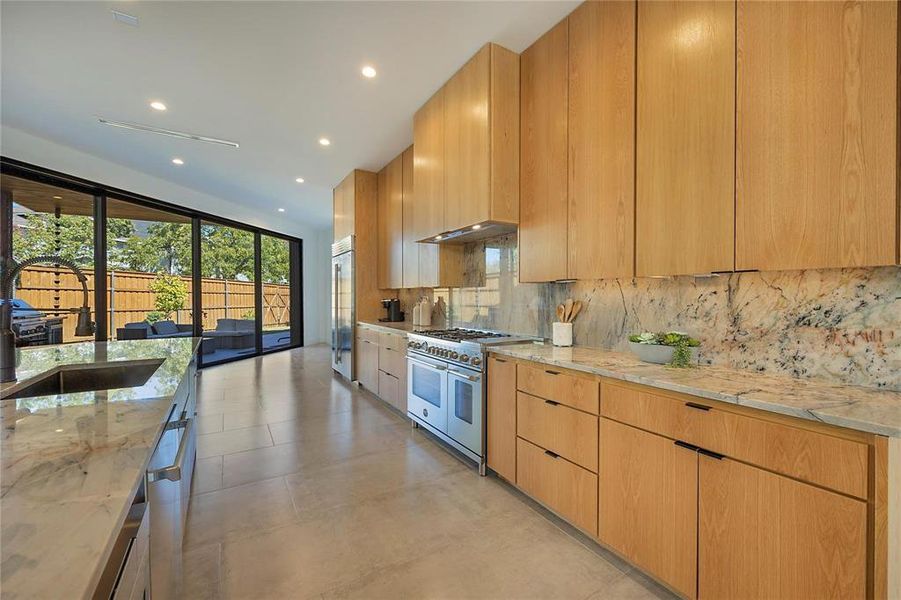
(560, 313)
(567, 309)
(577, 308)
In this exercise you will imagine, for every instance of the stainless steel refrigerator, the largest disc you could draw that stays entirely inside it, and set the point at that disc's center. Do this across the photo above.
(343, 306)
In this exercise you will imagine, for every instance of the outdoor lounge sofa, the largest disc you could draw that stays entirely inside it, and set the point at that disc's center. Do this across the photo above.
(146, 331)
(234, 334)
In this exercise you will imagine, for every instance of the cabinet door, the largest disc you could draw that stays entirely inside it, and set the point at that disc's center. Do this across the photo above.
(501, 421)
(368, 365)
(648, 502)
(410, 254)
(466, 143)
(685, 182)
(601, 125)
(428, 167)
(763, 535)
(390, 225)
(816, 151)
(543, 151)
(343, 208)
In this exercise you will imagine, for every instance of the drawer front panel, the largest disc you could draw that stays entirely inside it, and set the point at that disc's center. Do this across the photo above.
(551, 383)
(565, 431)
(395, 342)
(393, 362)
(568, 490)
(389, 388)
(370, 335)
(819, 458)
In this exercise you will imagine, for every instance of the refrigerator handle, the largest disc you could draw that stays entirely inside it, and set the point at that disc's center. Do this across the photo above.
(337, 276)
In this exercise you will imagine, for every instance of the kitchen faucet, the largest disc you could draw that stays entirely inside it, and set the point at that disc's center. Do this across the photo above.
(83, 327)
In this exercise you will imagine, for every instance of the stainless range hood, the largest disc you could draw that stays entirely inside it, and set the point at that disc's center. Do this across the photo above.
(473, 233)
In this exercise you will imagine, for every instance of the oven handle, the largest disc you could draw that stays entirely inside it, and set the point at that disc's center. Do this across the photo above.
(428, 365)
(473, 378)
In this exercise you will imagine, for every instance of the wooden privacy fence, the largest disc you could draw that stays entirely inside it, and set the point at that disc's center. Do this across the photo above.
(130, 298)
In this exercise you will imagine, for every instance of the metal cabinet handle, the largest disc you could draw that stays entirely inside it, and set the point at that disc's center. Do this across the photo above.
(711, 454)
(552, 454)
(173, 471)
(464, 375)
(499, 360)
(552, 372)
(552, 403)
(686, 445)
(697, 406)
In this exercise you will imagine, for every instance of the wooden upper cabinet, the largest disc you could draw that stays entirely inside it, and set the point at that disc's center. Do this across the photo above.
(410, 257)
(685, 195)
(817, 124)
(543, 142)
(343, 208)
(390, 225)
(428, 167)
(601, 127)
(762, 535)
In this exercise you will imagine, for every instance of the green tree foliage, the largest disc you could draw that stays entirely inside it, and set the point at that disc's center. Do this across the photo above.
(227, 253)
(171, 292)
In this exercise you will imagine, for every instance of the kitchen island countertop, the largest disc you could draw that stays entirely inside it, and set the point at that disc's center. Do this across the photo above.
(865, 409)
(71, 464)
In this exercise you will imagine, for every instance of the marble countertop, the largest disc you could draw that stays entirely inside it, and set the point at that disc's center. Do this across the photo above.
(861, 408)
(71, 464)
(396, 327)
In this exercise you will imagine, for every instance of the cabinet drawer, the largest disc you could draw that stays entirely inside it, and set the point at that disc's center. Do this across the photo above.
(369, 335)
(389, 388)
(565, 431)
(393, 341)
(819, 458)
(567, 489)
(393, 362)
(551, 383)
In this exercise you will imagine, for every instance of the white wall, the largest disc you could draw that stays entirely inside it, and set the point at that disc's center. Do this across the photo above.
(21, 145)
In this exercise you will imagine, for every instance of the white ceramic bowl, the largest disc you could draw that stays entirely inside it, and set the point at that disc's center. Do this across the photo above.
(657, 354)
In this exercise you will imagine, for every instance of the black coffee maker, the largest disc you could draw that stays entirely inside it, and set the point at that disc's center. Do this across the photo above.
(395, 314)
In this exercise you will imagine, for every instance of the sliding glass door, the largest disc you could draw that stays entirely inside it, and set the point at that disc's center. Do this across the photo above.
(275, 259)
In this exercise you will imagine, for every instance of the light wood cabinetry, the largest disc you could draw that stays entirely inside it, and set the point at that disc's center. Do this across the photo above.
(578, 140)
(817, 160)
(574, 390)
(685, 137)
(368, 364)
(382, 365)
(411, 250)
(543, 139)
(761, 535)
(356, 213)
(391, 225)
(648, 503)
(466, 141)
(501, 417)
(564, 431)
(601, 130)
(565, 488)
(343, 208)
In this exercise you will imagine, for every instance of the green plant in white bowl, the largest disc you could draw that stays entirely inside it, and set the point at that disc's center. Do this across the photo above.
(655, 347)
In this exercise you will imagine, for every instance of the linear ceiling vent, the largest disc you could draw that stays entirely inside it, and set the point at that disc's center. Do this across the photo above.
(125, 19)
(177, 134)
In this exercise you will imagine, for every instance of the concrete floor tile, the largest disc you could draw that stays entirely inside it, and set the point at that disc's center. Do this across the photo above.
(232, 441)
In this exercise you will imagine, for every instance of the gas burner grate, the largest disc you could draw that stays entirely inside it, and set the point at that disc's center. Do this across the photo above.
(460, 335)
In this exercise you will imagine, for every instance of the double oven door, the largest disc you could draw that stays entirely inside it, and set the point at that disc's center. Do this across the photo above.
(447, 397)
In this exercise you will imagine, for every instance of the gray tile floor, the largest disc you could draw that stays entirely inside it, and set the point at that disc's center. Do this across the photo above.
(307, 487)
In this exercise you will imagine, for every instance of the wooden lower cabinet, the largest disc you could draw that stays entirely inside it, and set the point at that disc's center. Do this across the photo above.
(368, 364)
(501, 417)
(762, 535)
(648, 503)
(390, 390)
(571, 433)
(565, 488)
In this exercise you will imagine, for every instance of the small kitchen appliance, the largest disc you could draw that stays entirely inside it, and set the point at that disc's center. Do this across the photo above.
(393, 312)
(446, 385)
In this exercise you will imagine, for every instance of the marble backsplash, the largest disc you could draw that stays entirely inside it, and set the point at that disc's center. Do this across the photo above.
(840, 325)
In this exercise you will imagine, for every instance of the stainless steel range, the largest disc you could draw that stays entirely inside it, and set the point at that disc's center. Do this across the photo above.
(446, 385)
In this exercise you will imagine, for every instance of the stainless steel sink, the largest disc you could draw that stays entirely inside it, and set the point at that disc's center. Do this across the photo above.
(68, 379)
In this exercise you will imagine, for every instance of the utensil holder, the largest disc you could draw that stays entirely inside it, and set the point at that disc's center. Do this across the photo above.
(563, 334)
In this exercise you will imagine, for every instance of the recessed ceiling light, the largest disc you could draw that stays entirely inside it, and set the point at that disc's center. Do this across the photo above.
(178, 161)
(157, 105)
(324, 141)
(299, 180)
(59, 431)
(368, 71)
(57, 197)
(281, 210)
(437, 238)
(476, 227)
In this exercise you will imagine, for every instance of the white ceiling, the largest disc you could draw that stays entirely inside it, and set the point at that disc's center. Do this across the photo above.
(274, 76)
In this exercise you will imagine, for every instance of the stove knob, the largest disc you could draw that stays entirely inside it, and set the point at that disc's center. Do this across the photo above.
(411, 344)
(454, 355)
(476, 360)
(464, 357)
(444, 353)
(417, 345)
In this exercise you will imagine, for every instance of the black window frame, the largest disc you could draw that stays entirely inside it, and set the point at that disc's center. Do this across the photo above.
(100, 193)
